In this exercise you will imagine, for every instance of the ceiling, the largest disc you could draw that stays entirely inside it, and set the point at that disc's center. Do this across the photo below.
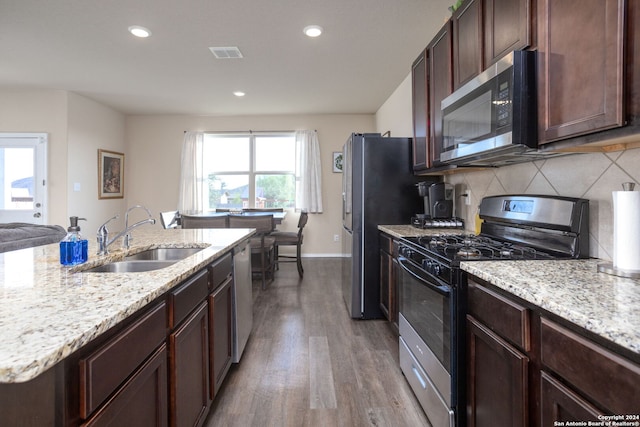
(83, 46)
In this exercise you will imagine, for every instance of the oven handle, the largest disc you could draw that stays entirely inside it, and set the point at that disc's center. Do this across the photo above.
(431, 284)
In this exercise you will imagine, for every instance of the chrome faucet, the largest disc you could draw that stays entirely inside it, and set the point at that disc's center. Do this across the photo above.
(103, 233)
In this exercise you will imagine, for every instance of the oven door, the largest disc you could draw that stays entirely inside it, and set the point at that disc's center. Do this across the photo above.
(427, 326)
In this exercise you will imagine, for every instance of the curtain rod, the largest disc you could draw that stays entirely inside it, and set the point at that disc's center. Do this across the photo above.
(248, 131)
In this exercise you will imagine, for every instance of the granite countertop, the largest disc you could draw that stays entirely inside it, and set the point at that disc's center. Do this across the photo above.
(48, 311)
(608, 306)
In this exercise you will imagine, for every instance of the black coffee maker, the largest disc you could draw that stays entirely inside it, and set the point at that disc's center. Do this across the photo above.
(438, 199)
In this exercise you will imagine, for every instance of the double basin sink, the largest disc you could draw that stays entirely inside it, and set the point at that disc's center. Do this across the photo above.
(149, 260)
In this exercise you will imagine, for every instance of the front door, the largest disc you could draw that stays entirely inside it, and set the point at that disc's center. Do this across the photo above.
(23, 177)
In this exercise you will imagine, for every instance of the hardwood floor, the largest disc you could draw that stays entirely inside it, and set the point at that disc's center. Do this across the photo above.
(307, 363)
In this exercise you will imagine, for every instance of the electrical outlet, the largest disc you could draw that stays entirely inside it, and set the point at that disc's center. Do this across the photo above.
(336, 237)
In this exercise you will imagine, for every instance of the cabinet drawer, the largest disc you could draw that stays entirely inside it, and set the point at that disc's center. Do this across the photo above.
(142, 401)
(186, 297)
(220, 270)
(602, 376)
(102, 372)
(507, 318)
(386, 243)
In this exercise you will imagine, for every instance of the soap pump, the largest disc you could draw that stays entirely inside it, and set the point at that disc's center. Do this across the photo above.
(73, 248)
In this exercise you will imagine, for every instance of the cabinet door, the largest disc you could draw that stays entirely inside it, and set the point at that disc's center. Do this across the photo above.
(189, 370)
(507, 27)
(385, 284)
(440, 86)
(497, 384)
(558, 403)
(220, 334)
(580, 67)
(420, 107)
(142, 400)
(467, 42)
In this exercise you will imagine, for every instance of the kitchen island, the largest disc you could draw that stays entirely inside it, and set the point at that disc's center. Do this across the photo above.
(49, 312)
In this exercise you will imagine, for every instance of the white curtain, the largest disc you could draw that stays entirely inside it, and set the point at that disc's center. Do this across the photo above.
(191, 174)
(308, 172)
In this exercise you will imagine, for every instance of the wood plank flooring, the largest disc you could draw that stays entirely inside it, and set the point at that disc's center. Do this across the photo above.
(307, 363)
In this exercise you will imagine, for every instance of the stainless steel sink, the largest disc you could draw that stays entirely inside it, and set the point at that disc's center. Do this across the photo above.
(164, 254)
(135, 266)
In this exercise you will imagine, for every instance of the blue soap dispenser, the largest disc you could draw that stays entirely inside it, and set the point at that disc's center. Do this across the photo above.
(73, 248)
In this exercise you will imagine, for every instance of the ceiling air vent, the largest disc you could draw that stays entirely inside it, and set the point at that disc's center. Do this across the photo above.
(226, 52)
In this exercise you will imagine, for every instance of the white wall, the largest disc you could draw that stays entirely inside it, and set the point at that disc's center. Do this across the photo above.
(154, 146)
(42, 111)
(93, 126)
(395, 115)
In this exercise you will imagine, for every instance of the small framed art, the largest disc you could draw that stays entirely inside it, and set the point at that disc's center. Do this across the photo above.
(337, 161)
(110, 175)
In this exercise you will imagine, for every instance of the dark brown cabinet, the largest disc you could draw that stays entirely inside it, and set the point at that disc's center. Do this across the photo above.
(467, 42)
(142, 400)
(189, 370)
(597, 375)
(220, 334)
(497, 366)
(420, 108)
(440, 86)
(432, 77)
(507, 27)
(525, 369)
(580, 67)
(559, 403)
(388, 275)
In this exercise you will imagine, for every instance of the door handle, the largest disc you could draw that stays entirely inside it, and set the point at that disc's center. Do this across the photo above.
(37, 215)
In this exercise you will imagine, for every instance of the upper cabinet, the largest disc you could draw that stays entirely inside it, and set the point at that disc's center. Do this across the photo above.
(580, 67)
(432, 77)
(507, 27)
(440, 86)
(467, 42)
(420, 106)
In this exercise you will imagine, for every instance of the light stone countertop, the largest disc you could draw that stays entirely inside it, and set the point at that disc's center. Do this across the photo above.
(48, 311)
(608, 306)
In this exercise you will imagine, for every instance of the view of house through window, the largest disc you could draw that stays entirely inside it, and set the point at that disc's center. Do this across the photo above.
(249, 170)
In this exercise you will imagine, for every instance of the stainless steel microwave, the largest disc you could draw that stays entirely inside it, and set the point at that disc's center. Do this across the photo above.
(492, 120)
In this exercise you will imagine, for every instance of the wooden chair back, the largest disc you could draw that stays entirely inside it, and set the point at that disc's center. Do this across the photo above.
(213, 221)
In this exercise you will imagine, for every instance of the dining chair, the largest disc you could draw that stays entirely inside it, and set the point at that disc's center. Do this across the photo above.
(291, 238)
(263, 210)
(170, 219)
(213, 221)
(262, 245)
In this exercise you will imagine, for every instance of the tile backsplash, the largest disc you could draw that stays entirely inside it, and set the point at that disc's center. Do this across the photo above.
(591, 176)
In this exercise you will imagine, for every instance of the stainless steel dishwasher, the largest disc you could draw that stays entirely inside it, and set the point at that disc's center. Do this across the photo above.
(242, 299)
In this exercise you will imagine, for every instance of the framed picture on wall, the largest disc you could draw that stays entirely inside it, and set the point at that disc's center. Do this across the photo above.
(110, 175)
(337, 161)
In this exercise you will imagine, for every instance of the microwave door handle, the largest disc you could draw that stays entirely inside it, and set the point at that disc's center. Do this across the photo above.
(441, 289)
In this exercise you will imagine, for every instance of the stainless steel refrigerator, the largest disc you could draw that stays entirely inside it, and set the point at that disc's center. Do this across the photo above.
(378, 187)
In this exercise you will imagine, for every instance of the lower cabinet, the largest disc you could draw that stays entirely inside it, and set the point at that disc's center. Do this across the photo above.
(142, 400)
(189, 368)
(388, 279)
(220, 334)
(497, 367)
(525, 369)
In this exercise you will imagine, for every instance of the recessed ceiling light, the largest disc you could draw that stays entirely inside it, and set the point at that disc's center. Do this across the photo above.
(139, 31)
(239, 93)
(313, 30)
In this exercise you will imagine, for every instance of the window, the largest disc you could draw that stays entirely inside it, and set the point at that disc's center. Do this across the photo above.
(252, 170)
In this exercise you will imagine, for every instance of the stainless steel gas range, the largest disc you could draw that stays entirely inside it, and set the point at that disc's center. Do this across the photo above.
(432, 288)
